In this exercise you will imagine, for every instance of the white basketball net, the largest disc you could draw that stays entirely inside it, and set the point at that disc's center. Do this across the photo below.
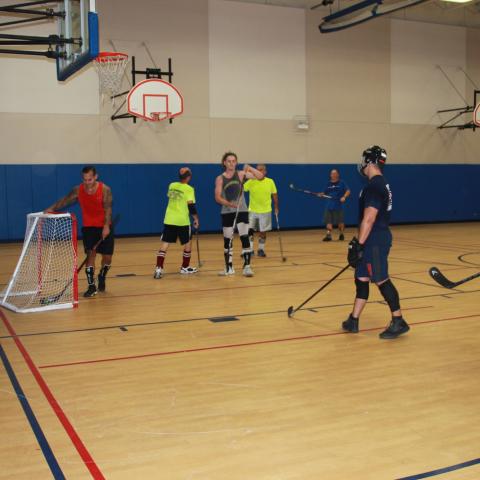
(110, 67)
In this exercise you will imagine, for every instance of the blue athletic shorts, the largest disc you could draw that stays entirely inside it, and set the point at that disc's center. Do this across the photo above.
(374, 263)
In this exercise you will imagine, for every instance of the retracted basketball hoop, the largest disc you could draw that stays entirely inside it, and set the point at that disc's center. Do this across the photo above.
(476, 115)
(154, 100)
(110, 67)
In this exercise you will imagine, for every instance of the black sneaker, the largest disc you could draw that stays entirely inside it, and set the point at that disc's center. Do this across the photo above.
(341, 237)
(397, 327)
(91, 292)
(261, 253)
(327, 238)
(101, 283)
(350, 324)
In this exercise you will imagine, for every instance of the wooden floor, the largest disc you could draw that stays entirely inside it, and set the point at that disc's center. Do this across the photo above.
(141, 382)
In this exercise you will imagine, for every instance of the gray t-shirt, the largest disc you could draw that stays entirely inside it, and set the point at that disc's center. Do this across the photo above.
(231, 190)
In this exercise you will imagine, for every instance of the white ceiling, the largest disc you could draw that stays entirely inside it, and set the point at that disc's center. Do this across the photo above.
(436, 11)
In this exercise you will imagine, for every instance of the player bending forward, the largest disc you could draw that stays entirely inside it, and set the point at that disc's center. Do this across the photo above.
(229, 194)
(181, 204)
(95, 199)
(369, 253)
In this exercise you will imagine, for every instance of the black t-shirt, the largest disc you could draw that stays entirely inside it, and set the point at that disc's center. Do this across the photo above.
(377, 194)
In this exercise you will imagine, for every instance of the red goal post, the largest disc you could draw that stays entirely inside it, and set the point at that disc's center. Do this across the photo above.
(45, 277)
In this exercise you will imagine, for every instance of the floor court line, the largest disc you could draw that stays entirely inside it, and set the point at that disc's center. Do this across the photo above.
(32, 419)
(238, 345)
(77, 442)
(440, 471)
(197, 319)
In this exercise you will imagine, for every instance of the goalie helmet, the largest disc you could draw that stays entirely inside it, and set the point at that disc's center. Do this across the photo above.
(373, 155)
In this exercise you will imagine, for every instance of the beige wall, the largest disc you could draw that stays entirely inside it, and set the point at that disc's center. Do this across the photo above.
(348, 89)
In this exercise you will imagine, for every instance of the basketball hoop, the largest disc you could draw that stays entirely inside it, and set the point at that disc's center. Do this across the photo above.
(110, 67)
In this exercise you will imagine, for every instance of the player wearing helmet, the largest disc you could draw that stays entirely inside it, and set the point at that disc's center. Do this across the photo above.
(369, 253)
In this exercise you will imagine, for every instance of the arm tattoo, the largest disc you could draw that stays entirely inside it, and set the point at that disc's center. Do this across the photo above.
(107, 204)
(72, 197)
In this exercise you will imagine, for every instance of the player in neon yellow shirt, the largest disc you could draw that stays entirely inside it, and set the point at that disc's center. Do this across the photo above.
(181, 205)
(262, 192)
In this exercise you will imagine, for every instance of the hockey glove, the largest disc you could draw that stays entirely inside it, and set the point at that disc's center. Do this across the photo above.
(355, 252)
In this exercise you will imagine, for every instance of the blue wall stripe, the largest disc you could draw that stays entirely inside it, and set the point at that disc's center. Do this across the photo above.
(421, 193)
(442, 470)
(42, 441)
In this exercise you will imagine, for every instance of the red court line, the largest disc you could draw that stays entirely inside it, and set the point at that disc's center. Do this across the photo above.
(77, 442)
(236, 345)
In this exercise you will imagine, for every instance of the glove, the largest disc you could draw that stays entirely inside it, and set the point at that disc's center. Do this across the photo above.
(355, 252)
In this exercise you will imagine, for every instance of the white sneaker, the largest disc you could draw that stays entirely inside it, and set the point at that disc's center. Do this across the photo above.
(188, 270)
(247, 271)
(158, 273)
(227, 272)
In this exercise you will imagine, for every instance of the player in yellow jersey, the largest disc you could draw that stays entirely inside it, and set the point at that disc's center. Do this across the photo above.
(262, 192)
(181, 205)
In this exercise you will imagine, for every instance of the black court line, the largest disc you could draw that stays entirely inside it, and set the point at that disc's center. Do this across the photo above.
(460, 257)
(253, 314)
(32, 419)
(439, 471)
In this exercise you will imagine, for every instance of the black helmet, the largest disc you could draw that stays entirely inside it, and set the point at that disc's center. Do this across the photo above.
(374, 154)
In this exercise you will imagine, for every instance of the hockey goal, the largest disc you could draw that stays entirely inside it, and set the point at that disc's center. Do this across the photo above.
(45, 277)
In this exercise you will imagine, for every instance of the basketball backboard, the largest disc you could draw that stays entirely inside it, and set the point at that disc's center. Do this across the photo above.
(154, 99)
(80, 23)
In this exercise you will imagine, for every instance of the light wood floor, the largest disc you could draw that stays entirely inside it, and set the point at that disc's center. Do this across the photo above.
(139, 383)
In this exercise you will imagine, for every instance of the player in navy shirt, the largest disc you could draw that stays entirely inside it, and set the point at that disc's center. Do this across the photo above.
(337, 192)
(369, 253)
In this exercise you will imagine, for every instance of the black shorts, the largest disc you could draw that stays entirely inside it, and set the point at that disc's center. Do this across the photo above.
(172, 232)
(374, 263)
(91, 235)
(229, 218)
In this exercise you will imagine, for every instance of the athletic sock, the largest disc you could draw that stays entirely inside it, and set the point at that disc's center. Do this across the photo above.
(247, 255)
(186, 259)
(160, 258)
(228, 255)
(104, 270)
(90, 271)
(261, 244)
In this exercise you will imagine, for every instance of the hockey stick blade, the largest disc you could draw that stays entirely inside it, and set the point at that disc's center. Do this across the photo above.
(290, 311)
(445, 282)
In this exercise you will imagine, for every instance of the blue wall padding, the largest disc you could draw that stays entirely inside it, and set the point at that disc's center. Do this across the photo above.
(421, 193)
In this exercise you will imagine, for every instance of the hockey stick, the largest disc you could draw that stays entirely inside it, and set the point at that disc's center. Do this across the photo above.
(292, 310)
(284, 259)
(438, 276)
(54, 298)
(308, 192)
(200, 263)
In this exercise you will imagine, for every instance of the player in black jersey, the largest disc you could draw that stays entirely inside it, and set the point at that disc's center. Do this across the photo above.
(369, 253)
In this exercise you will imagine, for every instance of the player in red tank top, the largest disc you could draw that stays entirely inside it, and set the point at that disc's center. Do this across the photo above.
(95, 199)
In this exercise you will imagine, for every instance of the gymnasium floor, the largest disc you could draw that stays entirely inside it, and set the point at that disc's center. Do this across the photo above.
(150, 380)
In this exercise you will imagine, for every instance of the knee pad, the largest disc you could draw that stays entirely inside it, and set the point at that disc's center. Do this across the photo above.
(228, 232)
(245, 242)
(363, 289)
(390, 294)
(242, 228)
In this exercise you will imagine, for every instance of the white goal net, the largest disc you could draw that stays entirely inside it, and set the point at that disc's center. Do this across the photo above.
(45, 277)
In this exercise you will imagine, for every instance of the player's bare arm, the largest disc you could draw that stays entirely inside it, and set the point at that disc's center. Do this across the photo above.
(250, 172)
(369, 216)
(347, 194)
(218, 193)
(275, 203)
(107, 206)
(69, 199)
(193, 212)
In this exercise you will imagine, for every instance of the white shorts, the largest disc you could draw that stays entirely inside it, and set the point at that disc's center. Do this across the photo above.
(260, 222)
